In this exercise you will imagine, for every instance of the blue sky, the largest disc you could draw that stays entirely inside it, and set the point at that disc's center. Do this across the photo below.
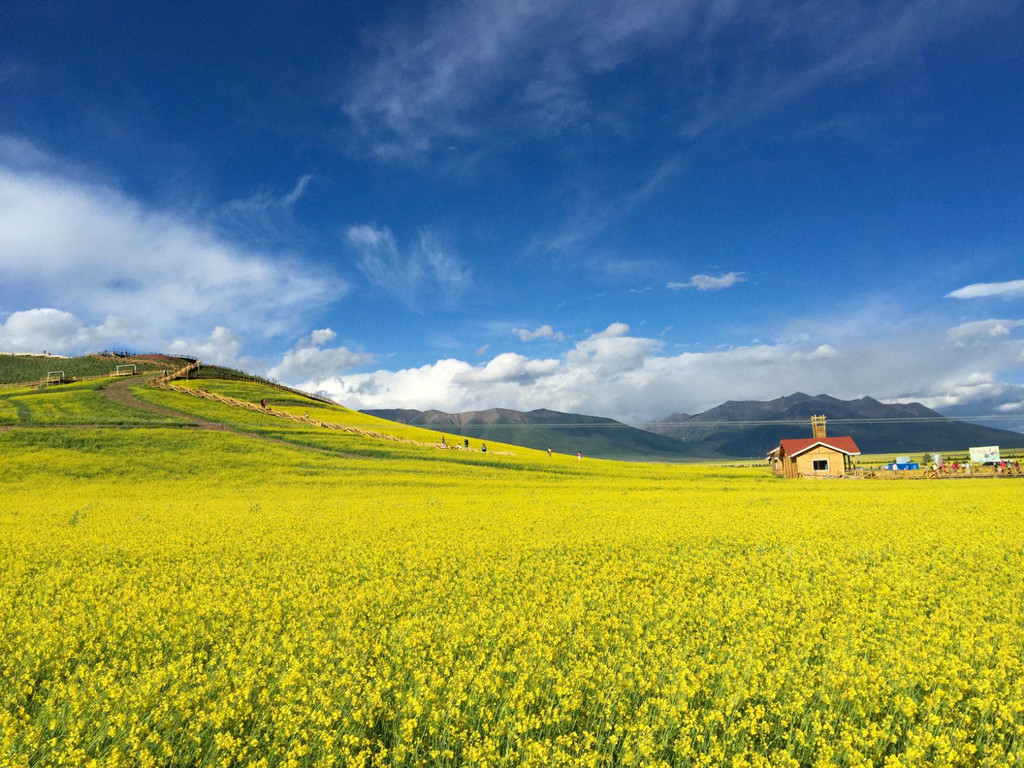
(618, 208)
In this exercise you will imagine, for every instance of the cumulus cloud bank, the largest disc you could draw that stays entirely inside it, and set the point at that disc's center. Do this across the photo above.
(53, 330)
(635, 378)
(309, 359)
(221, 347)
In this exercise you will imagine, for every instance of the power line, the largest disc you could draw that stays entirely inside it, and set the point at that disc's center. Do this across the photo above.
(879, 420)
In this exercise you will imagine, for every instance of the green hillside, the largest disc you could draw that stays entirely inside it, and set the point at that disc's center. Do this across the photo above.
(77, 404)
(33, 368)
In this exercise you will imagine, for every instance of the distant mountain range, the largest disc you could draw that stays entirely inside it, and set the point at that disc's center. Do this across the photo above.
(564, 432)
(875, 426)
(736, 429)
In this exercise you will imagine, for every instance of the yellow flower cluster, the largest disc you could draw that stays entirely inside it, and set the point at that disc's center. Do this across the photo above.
(193, 598)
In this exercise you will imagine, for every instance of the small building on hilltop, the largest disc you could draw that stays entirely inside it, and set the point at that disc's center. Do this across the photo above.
(817, 456)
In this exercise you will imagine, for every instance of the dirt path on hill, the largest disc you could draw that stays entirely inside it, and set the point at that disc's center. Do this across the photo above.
(117, 392)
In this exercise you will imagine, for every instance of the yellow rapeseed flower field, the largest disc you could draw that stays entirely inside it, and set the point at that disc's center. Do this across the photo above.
(189, 597)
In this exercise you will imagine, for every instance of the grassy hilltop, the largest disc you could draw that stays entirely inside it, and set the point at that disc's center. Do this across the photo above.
(17, 369)
(187, 582)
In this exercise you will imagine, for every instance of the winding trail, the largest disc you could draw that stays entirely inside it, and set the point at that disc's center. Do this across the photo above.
(117, 392)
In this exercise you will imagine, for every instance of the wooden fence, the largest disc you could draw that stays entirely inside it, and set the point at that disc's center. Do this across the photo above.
(164, 382)
(167, 378)
(283, 387)
(256, 407)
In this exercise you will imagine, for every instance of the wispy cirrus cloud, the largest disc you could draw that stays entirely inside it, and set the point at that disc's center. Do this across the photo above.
(486, 73)
(985, 290)
(495, 71)
(591, 217)
(709, 282)
(464, 82)
(425, 274)
(265, 215)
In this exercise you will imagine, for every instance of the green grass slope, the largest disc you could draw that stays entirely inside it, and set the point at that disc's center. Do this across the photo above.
(77, 404)
(26, 368)
(408, 441)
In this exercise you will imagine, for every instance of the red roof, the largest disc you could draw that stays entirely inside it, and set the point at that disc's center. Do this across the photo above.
(843, 444)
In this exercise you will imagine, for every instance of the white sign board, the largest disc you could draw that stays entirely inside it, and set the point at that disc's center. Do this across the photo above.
(984, 455)
(902, 459)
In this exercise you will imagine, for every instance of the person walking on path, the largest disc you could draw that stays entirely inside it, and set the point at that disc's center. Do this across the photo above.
(549, 450)
(579, 455)
(263, 403)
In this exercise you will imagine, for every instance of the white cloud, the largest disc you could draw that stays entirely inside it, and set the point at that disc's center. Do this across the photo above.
(510, 367)
(54, 330)
(960, 389)
(978, 397)
(35, 329)
(221, 347)
(322, 336)
(709, 282)
(992, 329)
(823, 352)
(615, 373)
(541, 332)
(309, 360)
(96, 252)
(612, 331)
(984, 290)
(428, 273)
(483, 350)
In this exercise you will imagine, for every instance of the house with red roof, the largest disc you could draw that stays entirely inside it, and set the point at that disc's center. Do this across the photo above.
(817, 456)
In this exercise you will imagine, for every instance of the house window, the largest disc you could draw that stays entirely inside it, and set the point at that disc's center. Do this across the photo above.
(820, 465)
